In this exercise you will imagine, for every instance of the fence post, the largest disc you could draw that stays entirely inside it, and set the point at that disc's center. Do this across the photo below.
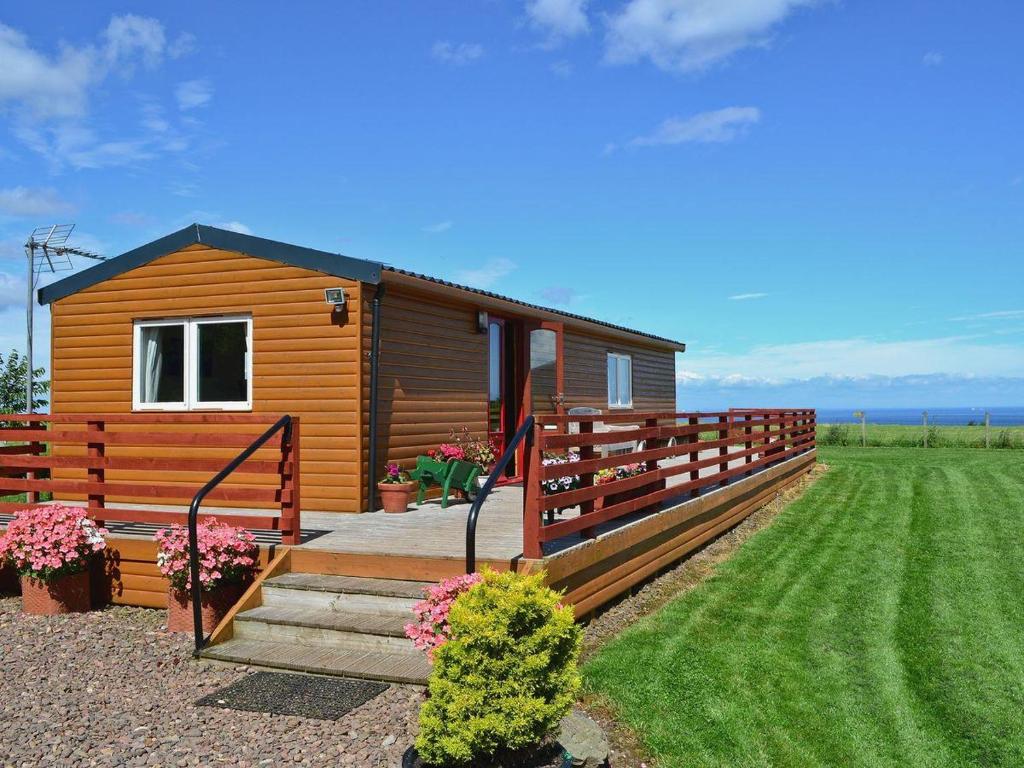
(291, 504)
(863, 429)
(587, 478)
(97, 449)
(988, 441)
(924, 415)
(723, 450)
(694, 438)
(749, 443)
(533, 493)
(35, 448)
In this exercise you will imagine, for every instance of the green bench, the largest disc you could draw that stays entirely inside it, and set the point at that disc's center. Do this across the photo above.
(452, 475)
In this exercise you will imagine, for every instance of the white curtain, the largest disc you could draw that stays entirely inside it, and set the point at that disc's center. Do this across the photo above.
(152, 364)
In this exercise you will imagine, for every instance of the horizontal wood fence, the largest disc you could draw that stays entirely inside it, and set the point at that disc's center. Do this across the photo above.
(109, 462)
(672, 451)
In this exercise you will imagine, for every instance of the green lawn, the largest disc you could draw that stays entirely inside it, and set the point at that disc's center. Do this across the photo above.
(906, 436)
(878, 622)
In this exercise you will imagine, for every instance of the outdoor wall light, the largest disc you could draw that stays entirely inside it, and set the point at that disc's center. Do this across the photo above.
(336, 297)
(481, 321)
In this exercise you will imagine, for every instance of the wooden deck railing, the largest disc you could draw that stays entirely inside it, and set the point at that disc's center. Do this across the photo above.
(110, 462)
(672, 443)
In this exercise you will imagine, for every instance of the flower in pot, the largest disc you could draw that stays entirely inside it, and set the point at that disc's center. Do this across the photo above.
(228, 559)
(51, 548)
(395, 489)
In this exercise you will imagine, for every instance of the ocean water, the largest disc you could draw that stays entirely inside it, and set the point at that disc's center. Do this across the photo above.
(999, 417)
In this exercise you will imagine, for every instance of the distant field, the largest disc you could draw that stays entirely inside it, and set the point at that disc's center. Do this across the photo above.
(901, 436)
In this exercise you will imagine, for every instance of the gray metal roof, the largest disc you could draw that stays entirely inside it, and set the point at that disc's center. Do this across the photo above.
(528, 305)
(308, 258)
(294, 255)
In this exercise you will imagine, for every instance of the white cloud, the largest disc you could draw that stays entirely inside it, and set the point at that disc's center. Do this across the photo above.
(183, 45)
(932, 59)
(1003, 314)
(746, 296)
(562, 68)
(13, 290)
(954, 355)
(25, 201)
(691, 35)
(438, 228)
(47, 96)
(234, 226)
(487, 274)
(130, 37)
(558, 19)
(718, 126)
(457, 54)
(193, 93)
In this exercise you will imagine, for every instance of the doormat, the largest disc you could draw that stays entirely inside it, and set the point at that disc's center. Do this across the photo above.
(320, 698)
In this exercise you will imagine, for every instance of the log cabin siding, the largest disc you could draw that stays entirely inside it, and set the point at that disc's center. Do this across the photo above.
(432, 375)
(306, 359)
(586, 373)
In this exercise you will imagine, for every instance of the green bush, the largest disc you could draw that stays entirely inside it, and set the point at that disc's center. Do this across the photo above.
(836, 434)
(506, 677)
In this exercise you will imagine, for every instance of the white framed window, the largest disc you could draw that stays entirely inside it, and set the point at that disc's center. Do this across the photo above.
(620, 380)
(192, 363)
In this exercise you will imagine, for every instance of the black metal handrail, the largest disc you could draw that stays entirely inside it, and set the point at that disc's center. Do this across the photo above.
(525, 431)
(285, 424)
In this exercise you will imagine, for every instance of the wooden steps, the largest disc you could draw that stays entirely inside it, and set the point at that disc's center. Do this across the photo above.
(333, 625)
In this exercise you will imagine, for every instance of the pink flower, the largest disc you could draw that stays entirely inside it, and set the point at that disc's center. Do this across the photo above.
(227, 554)
(50, 541)
(431, 629)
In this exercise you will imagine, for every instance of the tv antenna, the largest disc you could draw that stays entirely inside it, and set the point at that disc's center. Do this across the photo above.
(47, 250)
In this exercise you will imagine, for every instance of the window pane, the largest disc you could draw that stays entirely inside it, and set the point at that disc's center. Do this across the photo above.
(625, 381)
(221, 363)
(543, 371)
(613, 388)
(162, 364)
(494, 374)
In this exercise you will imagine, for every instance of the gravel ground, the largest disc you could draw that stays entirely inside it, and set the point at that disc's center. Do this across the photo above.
(112, 688)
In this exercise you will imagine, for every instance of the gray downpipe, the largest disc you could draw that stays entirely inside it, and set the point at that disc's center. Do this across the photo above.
(371, 463)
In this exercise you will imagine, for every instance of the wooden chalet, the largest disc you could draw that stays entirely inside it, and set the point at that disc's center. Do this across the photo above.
(169, 360)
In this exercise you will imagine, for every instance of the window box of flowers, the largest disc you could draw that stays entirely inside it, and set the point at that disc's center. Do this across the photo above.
(395, 489)
(51, 548)
(228, 559)
(603, 476)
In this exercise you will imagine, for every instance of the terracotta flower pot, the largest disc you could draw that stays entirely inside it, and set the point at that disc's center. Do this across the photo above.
(216, 604)
(395, 496)
(65, 594)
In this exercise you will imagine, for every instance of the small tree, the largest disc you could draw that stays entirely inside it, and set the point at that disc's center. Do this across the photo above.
(13, 377)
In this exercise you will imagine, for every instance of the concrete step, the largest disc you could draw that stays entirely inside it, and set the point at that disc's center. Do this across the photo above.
(316, 626)
(343, 593)
(389, 667)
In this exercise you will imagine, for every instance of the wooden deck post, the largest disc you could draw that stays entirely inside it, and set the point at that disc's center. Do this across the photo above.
(587, 478)
(533, 493)
(694, 438)
(291, 501)
(723, 450)
(97, 449)
(749, 443)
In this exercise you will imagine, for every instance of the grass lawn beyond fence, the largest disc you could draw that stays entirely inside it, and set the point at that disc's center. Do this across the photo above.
(912, 436)
(878, 622)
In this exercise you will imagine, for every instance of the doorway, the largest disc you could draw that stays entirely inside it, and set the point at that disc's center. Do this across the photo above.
(525, 376)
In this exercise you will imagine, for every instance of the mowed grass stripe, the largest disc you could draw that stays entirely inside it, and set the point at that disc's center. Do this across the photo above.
(877, 622)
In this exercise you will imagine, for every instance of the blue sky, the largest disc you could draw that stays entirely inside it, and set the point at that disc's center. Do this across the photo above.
(825, 200)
